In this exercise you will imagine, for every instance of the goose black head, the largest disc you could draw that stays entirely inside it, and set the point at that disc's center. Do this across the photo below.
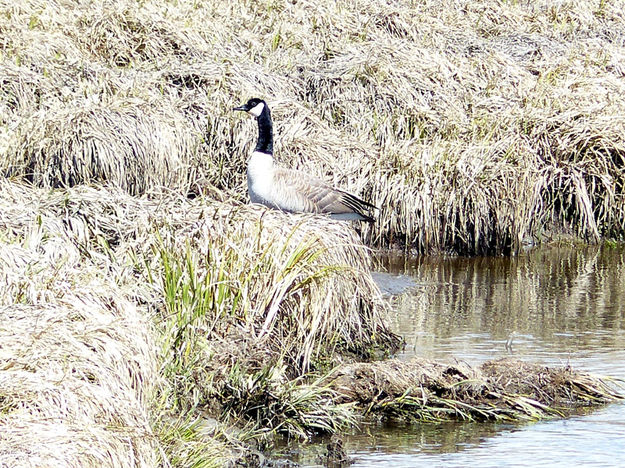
(254, 106)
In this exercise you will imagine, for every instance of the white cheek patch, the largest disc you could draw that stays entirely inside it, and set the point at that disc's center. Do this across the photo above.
(257, 109)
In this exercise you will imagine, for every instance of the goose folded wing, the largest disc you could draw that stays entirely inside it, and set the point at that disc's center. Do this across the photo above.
(310, 194)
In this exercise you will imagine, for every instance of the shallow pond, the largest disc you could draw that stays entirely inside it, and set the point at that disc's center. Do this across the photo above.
(555, 306)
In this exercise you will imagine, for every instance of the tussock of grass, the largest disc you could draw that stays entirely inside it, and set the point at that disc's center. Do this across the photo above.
(255, 298)
(273, 280)
(474, 129)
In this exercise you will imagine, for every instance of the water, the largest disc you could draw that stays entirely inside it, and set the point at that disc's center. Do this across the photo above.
(593, 440)
(556, 306)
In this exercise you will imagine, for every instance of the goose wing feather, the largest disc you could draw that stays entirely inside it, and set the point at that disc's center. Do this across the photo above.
(302, 192)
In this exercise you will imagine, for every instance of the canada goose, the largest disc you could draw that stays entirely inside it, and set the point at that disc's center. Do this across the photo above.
(290, 190)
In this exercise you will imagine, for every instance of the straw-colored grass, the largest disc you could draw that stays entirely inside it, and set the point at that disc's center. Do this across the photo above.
(474, 127)
(78, 362)
(502, 390)
(127, 319)
(128, 322)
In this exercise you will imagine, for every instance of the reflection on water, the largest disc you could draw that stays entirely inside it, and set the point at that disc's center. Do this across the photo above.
(380, 443)
(593, 440)
(557, 306)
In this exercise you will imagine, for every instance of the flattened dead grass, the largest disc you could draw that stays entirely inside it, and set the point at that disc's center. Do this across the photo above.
(78, 362)
(502, 390)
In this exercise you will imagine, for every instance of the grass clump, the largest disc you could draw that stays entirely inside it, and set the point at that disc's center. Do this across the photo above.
(78, 362)
(242, 271)
(502, 390)
(252, 315)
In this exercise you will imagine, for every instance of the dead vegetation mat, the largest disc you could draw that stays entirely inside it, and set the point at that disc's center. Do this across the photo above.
(505, 389)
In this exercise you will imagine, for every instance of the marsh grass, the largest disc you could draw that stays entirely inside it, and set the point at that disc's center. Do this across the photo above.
(198, 309)
(135, 320)
(474, 130)
(249, 270)
(502, 390)
(78, 360)
(241, 335)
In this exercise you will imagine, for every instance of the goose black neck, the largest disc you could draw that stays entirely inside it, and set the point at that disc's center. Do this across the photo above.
(265, 132)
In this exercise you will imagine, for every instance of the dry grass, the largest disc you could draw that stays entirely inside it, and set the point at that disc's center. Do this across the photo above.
(78, 362)
(296, 286)
(242, 301)
(474, 128)
(503, 390)
(128, 320)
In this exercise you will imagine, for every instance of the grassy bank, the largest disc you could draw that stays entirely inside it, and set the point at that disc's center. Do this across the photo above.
(475, 127)
(152, 318)
(132, 320)
(163, 331)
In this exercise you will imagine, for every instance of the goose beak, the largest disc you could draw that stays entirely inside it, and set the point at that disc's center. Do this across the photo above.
(240, 108)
